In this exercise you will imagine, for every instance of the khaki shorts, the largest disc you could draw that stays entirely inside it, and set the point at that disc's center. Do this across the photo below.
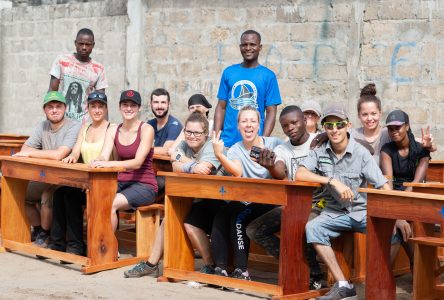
(35, 192)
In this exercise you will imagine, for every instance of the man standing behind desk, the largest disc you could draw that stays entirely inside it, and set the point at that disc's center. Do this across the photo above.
(77, 75)
(52, 139)
(247, 83)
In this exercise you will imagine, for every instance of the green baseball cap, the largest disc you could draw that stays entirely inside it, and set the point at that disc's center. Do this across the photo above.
(54, 96)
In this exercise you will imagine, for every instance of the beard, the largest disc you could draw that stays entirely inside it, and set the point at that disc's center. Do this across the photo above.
(160, 116)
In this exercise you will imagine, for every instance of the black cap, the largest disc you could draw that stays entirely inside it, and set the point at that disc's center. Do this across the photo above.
(397, 117)
(97, 96)
(199, 99)
(131, 95)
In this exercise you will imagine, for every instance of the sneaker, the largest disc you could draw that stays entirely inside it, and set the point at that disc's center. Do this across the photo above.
(315, 284)
(41, 239)
(338, 293)
(207, 269)
(237, 273)
(142, 269)
(34, 234)
(221, 272)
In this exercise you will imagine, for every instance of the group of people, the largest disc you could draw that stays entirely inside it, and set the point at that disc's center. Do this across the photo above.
(321, 147)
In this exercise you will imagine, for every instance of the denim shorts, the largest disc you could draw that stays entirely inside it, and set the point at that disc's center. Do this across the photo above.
(323, 228)
(137, 193)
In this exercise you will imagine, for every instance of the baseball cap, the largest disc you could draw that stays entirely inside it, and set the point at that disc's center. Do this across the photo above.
(199, 99)
(311, 105)
(336, 110)
(397, 117)
(53, 96)
(97, 96)
(131, 95)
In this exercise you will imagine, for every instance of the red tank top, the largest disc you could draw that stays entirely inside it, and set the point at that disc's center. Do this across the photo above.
(145, 173)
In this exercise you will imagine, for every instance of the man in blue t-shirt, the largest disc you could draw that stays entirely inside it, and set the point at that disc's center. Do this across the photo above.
(247, 83)
(166, 127)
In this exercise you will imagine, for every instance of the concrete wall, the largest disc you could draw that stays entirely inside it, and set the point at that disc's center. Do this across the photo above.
(321, 50)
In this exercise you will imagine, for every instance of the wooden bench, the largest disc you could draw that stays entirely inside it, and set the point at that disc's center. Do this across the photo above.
(383, 209)
(435, 171)
(141, 238)
(427, 269)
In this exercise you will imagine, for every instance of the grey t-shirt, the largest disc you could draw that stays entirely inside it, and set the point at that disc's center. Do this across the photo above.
(205, 154)
(358, 133)
(354, 169)
(292, 156)
(251, 169)
(44, 138)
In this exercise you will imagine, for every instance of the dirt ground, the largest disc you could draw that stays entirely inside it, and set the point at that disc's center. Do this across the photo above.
(25, 277)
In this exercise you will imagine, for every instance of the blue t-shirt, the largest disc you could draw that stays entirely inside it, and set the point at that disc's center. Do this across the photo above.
(241, 86)
(169, 132)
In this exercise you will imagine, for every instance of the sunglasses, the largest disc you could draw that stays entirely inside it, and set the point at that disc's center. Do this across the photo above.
(95, 95)
(339, 125)
(195, 133)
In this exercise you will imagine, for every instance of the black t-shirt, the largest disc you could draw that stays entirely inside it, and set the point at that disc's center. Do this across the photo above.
(401, 172)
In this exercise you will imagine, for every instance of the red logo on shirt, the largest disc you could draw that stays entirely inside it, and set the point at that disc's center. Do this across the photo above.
(130, 93)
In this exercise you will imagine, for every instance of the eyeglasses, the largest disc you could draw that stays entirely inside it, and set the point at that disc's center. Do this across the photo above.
(339, 125)
(195, 133)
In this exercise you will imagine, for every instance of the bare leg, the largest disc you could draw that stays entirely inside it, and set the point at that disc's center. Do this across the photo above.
(157, 251)
(33, 215)
(45, 210)
(119, 202)
(394, 250)
(200, 241)
(328, 257)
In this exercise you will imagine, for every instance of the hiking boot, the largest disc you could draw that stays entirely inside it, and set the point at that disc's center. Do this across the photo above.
(237, 273)
(142, 269)
(41, 239)
(221, 272)
(338, 293)
(207, 269)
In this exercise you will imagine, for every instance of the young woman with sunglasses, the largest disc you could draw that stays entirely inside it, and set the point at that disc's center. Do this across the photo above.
(229, 225)
(67, 228)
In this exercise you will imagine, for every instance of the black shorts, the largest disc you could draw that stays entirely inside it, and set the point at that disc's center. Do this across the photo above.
(202, 213)
(137, 193)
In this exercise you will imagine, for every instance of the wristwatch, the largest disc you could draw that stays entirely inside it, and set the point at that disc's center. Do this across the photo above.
(178, 156)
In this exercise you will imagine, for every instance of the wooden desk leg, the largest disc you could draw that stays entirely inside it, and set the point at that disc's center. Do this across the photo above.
(102, 243)
(15, 226)
(379, 280)
(178, 253)
(293, 267)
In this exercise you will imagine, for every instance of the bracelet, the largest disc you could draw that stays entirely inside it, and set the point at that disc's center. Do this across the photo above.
(188, 167)
(330, 180)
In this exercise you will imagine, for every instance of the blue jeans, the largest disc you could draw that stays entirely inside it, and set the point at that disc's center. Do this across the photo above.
(323, 228)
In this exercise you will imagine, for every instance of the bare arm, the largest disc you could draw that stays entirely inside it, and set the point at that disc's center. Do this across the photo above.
(304, 174)
(164, 149)
(56, 154)
(53, 84)
(219, 115)
(108, 145)
(179, 139)
(277, 169)
(75, 153)
(420, 173)
(234, 167)
(270, 120)
(387, 168)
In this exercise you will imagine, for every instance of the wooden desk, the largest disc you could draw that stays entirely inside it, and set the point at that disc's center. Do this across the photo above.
(7, 148)
(435, 171)
(16, 137)
(295, 197)
(162, 163)
(383, 208)
(100, 185)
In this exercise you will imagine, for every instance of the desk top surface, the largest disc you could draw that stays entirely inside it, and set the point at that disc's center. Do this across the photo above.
(58, 164)
(402, 194)
(239, 179)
